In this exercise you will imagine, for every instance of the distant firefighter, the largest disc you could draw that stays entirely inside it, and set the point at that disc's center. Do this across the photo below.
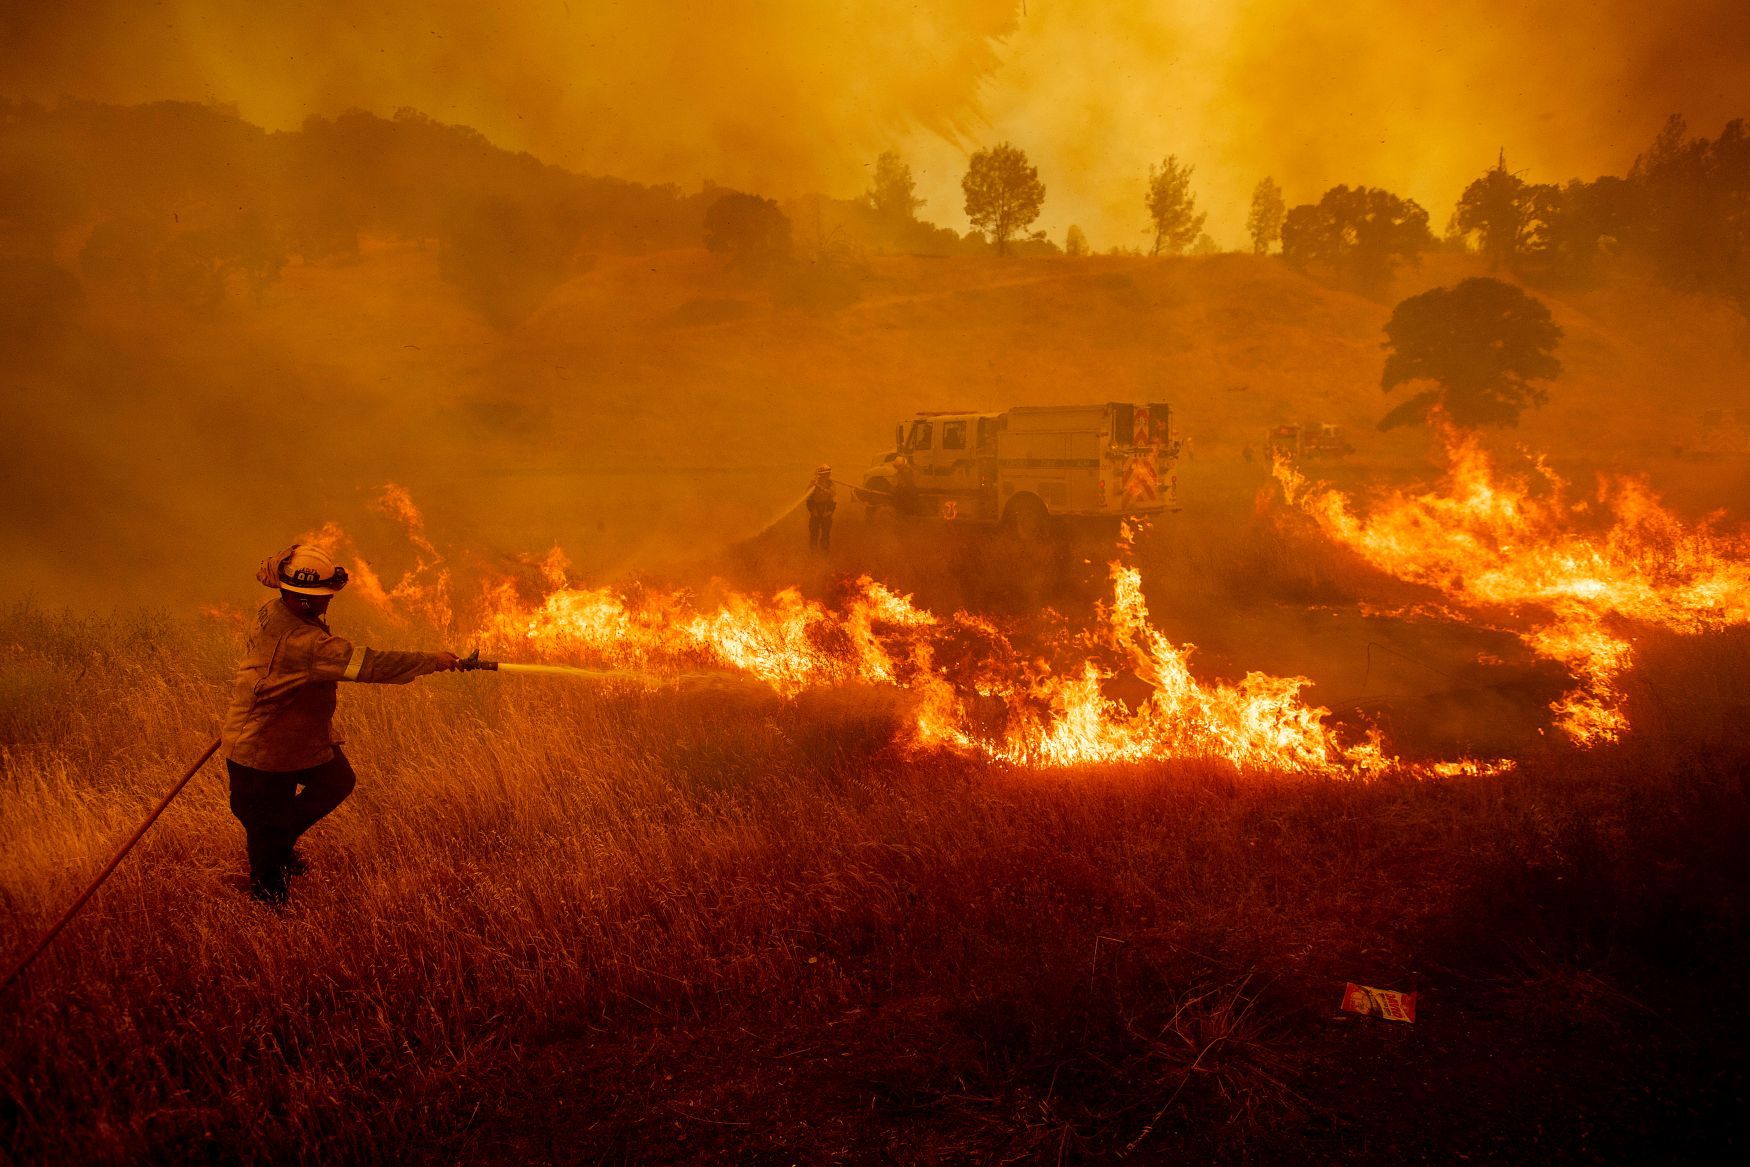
(822, 502)
(286, 768)
(906, 499)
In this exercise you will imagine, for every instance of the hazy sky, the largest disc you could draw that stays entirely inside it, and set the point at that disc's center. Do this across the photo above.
(787, 96)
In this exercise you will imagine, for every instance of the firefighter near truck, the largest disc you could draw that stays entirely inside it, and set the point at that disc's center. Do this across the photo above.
(1036, 470)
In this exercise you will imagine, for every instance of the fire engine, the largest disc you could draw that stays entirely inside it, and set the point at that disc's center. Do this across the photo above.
(1029, 466)
(1313, 440)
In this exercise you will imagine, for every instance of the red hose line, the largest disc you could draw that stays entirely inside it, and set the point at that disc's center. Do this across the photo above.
(66, 918)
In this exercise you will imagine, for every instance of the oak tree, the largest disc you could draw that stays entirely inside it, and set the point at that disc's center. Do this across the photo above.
(1482, 343)
(1003, 193)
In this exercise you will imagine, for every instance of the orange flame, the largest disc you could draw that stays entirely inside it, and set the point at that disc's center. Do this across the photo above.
(423, 591)
(975, 687)
(1056, 711)
(1588, 573)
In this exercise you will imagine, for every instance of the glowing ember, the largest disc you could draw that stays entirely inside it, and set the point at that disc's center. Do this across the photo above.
(1589, 573)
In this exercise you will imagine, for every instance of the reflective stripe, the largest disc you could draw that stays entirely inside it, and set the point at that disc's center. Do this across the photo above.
(354, 665)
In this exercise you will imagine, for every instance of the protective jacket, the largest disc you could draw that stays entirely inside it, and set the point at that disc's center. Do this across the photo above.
(822, 499)
(282, 705)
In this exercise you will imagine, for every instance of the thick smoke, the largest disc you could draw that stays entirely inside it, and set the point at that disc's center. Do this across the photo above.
(1417, 96)
(782, 96)
(787, 96)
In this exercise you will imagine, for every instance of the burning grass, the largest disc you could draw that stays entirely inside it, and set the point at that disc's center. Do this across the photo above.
(1033, 691)
(571, 921)
(1589, 572)
(923, 885)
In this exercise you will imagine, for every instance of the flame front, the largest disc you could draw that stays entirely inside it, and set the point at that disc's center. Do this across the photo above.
(1054, 705)
(1587, 572)
(975, 687)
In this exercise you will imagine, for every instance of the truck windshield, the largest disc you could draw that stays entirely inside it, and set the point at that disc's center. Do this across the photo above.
(920, 435)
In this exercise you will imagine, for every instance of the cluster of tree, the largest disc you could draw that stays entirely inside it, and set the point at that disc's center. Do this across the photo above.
(752, 232)
(886, 217)
(1355, 235)
(1683, 210)
(762, 235)
(192, 262)
(190, 203)
(1004, 196)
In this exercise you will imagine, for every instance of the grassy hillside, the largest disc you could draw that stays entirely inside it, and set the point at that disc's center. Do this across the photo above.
(659, 404)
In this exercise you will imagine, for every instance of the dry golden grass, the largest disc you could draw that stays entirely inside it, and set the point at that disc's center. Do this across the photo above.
(721, 925)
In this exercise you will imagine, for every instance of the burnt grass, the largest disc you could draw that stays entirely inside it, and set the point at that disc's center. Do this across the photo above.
(1576, 934)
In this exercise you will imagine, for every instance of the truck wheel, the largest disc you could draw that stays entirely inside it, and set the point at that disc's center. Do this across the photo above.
(1028, 520)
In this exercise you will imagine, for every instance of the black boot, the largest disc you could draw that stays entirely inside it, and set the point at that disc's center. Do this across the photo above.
(268, 886)
(267, 867)
(293, 863)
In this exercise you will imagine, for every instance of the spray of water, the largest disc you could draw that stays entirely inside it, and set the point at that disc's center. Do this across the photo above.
(693, 680)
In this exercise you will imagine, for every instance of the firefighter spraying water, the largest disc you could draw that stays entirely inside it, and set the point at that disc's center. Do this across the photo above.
(822, 502)
(286, 768)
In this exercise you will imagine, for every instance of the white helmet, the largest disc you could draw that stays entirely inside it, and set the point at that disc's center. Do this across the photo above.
(310, 571)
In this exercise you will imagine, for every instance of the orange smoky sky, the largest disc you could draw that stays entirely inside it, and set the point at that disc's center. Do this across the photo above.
(792, 96)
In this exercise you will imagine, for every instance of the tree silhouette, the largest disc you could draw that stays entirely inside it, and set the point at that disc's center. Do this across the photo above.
(1583, 224)
(1003, 193)
(892, 194)
(1172, 206)
(1075, 241)
(1482, 343)
(750, 230)
(1264, 224)
(1356, 233)
(1691, 209)
(1509, 215)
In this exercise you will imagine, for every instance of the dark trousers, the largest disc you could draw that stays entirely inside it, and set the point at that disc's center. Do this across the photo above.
(274, 811)
(820, 531)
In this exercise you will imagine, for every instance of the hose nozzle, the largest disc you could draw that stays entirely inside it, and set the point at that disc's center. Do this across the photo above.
(472, 663)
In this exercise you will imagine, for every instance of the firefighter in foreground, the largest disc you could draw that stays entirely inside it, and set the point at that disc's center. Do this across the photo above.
(286, 767)
(822, 502)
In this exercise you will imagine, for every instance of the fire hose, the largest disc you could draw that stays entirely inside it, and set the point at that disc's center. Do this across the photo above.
(468, 664)
(66, 917)
(473, 663)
